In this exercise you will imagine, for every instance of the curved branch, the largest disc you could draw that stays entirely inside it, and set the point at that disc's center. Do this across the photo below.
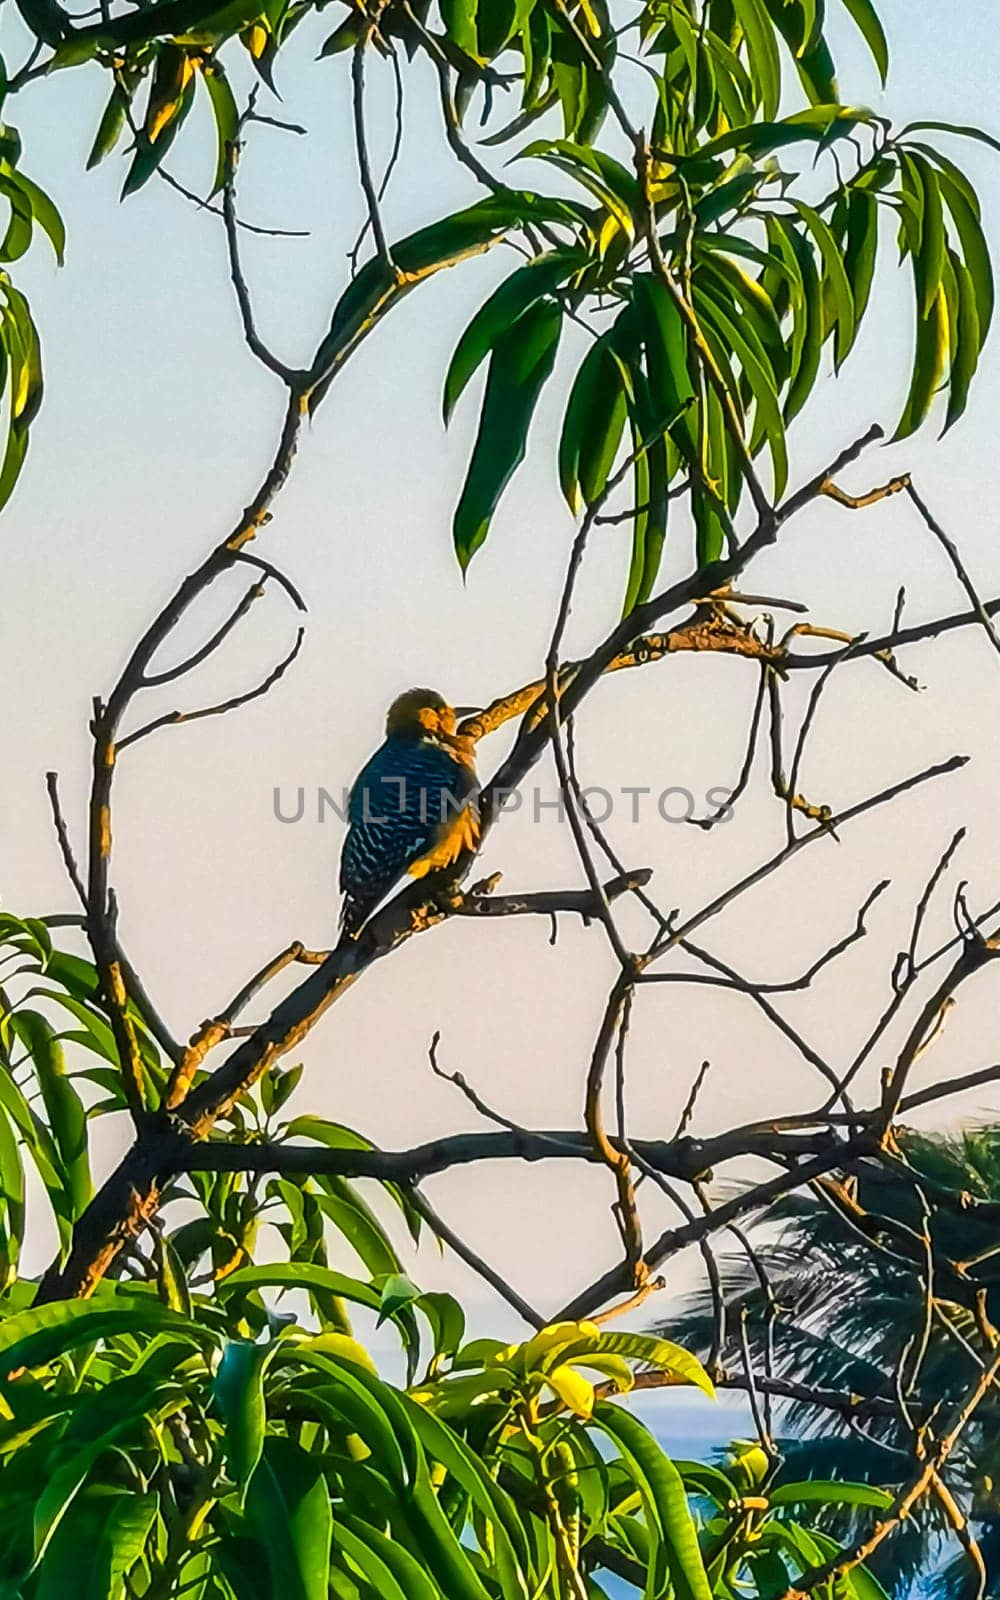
(172, 719)
(170, 674)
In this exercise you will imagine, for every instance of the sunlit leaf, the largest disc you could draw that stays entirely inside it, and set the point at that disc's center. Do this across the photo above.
(239, 1394)
(517, 374)
(289, 1502)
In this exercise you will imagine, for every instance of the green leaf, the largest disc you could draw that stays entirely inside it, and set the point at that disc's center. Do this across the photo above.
(966, 343)
(429, 250)
(109, 129)
(18, 235)
(753, 301)
(930, 354)
(818, 74)
(861, 246)
(63, 1106)
(517, 374)
(321, 1280)
(171, 1279)
(459, 18)
(128, 1402)
(496, 318)
(975, 249)
(102, 1040)
(582, 397)
(821, 124)
(226, 116)
(97, 1544)
(26, 371)
(866, 1586)
(671, 387)
(762, 52)
(608, 181)
(345, 36)
(761, 380)
(769, 1574)
(357, 1223)
(38, 1335)
(446, 1319)
(604, 423)
(962, 130)
(452, 1396)
(369, 1407)
(664, 1498)
(289, 1504)
(835, 285)
(450, 1561)
(652, 1352)
(238, 1387)
(507, 1539)
(644, 541)
(45, 214)
(389, 1567)
(39, 1142)
(823, 1492)
(711, 1482)
(867, 21)
(150, 152)
(807, 335)
(920, 179)
(11, 1200)
(336, 1137)
(397, 1292)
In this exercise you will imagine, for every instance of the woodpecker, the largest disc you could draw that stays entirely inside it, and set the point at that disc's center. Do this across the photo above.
(414, 806)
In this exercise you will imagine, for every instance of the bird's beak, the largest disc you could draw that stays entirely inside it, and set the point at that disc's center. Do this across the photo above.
(467, 711)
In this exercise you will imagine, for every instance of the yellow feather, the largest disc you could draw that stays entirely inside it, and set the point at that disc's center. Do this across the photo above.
(458, 834)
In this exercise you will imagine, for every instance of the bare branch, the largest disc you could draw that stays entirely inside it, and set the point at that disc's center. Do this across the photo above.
(951, 549)
(481, 1267)
(170, 674)
(133, 983)
(361, 146)
(848, 1560)
(274, 572)
(550, 902)
(62, 834)
(254, 342)
(172, 719)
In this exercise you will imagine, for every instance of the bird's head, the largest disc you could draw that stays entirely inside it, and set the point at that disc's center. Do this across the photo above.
(420, 714)
(425, 714)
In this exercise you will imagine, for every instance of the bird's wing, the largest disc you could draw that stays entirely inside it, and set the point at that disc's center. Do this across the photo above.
(396, 808)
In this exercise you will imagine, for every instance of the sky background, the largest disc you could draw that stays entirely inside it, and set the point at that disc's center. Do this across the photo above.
(156, 428)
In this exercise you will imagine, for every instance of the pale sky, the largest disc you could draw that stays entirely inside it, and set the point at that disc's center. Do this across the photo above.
(155, 429)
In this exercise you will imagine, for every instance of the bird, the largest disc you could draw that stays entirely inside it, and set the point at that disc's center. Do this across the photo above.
(414, 806)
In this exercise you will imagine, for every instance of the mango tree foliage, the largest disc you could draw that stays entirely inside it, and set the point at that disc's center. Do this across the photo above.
(719, 245)
(719, 249)
(189, 1431)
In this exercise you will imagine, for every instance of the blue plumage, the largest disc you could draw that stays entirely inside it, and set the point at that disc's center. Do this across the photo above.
(411, 787)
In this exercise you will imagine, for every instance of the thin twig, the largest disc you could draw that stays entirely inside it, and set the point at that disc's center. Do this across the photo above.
(62, 834)
(361, 145)
(170, 674)
(465, 1252)
(254, 342)
(961, 572)
(172, 719)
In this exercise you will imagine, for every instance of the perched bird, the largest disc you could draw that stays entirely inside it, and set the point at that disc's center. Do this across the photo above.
(414, 807)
